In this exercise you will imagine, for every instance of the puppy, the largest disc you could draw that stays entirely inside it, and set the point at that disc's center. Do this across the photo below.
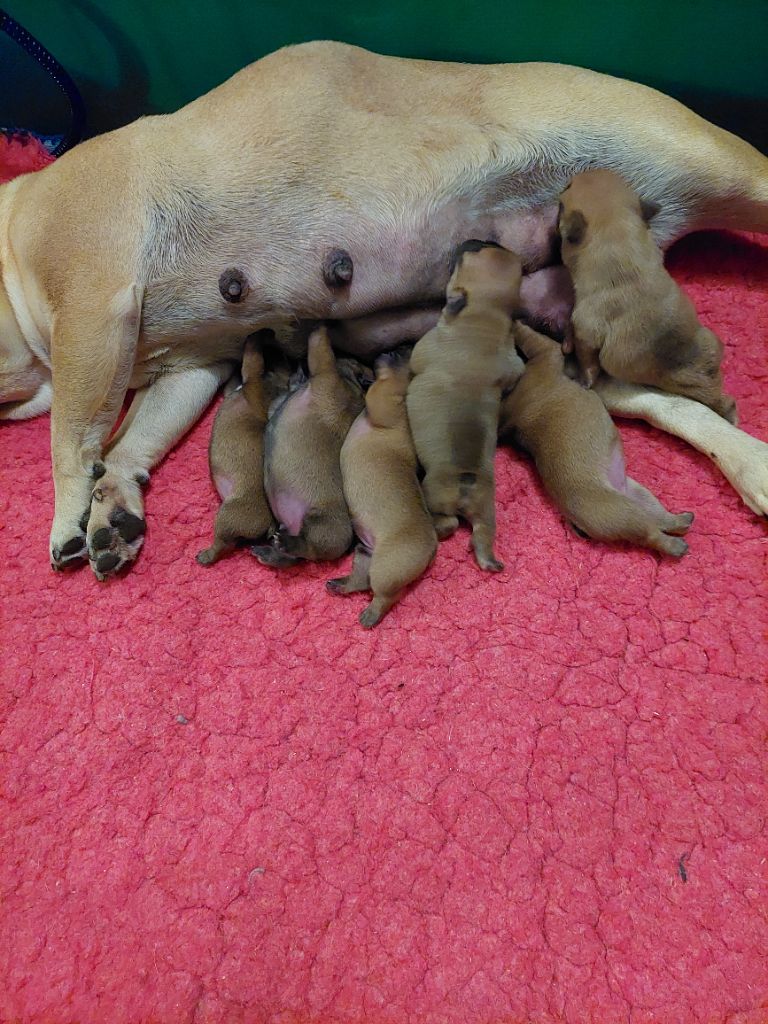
(579, 455)
(629, 316)
(302, 472)
(378, 467)
(236, 457)
(459, 369)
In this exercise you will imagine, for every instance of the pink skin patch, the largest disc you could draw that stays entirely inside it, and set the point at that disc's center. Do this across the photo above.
(289, 511)
(547, 296)
(297, 405)
(616, 473)
(361, 426)
(364, 535)
(225, 485)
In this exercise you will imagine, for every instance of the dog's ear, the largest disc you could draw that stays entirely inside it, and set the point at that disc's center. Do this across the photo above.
(573, 227)
(456, 300)
(648, 210)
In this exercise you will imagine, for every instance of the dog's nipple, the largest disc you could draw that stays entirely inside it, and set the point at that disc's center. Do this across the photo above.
(337, 268)
(233, 285)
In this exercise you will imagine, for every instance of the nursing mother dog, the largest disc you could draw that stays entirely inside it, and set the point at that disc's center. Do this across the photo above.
(321, 183)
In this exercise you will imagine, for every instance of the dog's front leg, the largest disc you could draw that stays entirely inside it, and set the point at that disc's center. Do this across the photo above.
(741, 458)
(159, 416)
(92, 356)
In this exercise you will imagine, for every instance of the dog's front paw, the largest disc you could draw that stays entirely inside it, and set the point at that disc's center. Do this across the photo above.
(116, 526)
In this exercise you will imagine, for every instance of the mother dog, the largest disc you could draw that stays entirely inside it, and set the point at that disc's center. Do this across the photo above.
(322, 182)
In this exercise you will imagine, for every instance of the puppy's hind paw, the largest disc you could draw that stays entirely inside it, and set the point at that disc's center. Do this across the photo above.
(370, 617)
(490, 564)
(273, 557)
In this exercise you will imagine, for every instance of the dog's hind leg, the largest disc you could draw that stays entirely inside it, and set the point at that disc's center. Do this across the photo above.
(159, 416)
(92, 356)
(741, 458)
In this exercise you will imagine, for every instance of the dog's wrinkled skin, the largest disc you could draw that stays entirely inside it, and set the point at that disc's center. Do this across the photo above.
(630, 318)
(579, 455)
(459, 371)
(302, 474)
(381, 486)
(236, 458)
(111, 258)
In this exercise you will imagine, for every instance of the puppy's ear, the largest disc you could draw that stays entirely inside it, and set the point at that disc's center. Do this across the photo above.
(456, 300)
(573, 227)
(648, 210)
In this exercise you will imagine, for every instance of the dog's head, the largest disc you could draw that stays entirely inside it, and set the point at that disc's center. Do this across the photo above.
(25, 383)
(594, 199)
(483, 274)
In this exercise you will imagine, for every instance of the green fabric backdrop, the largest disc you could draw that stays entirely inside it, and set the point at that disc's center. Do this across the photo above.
(140, 56)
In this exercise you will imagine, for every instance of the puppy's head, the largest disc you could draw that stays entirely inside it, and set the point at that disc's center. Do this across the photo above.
(483, 274)
(593, 200)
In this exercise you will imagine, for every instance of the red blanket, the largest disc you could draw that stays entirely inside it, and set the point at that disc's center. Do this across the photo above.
(533, 798)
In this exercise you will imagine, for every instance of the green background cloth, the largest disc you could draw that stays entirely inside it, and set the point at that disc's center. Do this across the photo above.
(131, 57)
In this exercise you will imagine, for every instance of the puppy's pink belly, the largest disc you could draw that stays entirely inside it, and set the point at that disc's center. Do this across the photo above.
(225, 485)
(289, 510)
(364, 535)
(617, 473)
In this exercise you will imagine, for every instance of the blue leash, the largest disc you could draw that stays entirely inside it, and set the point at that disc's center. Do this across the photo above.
(27, 42)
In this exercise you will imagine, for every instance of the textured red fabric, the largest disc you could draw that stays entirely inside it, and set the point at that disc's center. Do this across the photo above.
(533, 798)
(20, 154)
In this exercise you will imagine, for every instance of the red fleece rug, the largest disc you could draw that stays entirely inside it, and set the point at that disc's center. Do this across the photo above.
(534, 798)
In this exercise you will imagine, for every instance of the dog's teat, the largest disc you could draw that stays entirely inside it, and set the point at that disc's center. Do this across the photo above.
(233, 285)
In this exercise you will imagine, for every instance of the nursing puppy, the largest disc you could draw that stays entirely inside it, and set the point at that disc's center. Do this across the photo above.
(629, 316)
(579, 455)
(459, 369)
(236, 458)
(302, 472)
(378, 467)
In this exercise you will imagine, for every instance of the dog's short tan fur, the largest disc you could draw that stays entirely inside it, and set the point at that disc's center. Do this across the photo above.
(629, 316)
(236, 457)
(379, 470)
(459, 370)
(302, 470)
(578, 453)
(110, 258)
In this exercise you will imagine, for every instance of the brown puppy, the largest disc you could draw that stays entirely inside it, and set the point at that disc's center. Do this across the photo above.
(579, 455)
(629, 316)
(378, 467)
(459, 369)
(302, 473)
(236, 457)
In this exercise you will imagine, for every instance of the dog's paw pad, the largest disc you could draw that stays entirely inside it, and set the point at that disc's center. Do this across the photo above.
(71, 553)
(115, 533)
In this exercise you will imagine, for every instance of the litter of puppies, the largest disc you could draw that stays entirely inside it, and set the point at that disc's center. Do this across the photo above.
(305, 461)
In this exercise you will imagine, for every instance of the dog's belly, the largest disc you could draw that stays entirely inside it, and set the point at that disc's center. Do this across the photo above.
(408, 265)
(396, 268)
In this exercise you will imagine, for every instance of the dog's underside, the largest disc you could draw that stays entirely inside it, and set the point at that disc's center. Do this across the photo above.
(321, 183)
